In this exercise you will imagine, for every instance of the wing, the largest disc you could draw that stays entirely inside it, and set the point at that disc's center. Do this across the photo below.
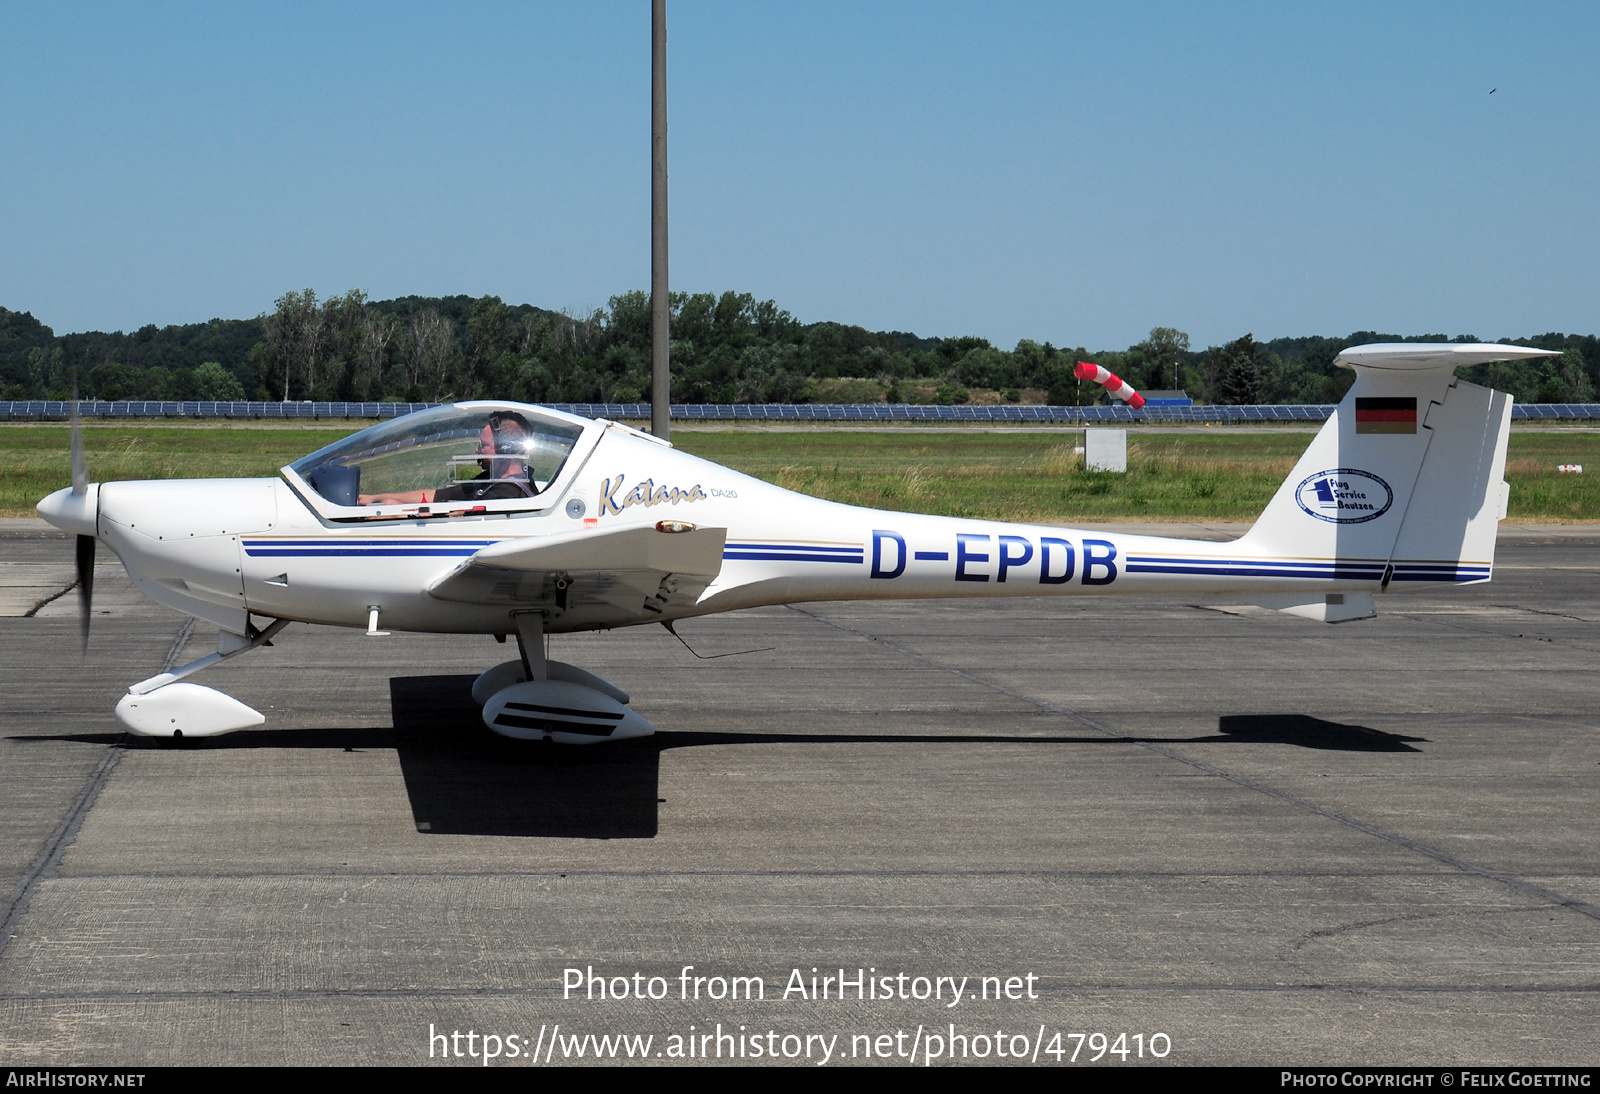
(587, 577)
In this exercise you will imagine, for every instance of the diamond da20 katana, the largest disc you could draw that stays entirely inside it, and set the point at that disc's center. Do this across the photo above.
(508, 519)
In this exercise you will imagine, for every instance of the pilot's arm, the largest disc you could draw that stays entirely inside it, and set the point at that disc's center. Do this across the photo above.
(408, 497)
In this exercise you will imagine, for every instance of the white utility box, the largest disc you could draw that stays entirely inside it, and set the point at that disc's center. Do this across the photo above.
(1105, 449)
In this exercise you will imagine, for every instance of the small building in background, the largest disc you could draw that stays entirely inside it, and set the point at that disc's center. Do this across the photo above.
(1167, 398)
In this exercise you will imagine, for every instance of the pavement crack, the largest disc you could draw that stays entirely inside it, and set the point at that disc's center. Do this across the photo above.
(1367, 924)
(51, 599)
(1419, 617)
(49, 858)
(1541, 611)
(1461, 864)
(179, 640)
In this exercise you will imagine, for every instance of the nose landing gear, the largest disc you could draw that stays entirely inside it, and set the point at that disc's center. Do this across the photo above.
(163, 707)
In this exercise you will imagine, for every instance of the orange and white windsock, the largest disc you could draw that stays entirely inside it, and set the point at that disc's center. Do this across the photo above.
(1119, 388)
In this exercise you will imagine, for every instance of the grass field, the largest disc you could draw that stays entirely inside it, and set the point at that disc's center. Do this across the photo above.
(1193, 475)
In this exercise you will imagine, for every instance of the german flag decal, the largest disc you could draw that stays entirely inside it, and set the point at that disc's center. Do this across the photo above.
(1386, 415)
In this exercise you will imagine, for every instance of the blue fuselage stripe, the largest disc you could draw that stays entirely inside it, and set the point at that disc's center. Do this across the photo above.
(1295, 564)
(792, 556)
(359, 552)
(385, 547)
(1245, 570)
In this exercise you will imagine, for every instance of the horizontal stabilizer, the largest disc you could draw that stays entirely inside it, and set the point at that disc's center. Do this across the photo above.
(1427, 355)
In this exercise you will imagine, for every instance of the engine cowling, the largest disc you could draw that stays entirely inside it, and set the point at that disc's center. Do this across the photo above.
(557, 710)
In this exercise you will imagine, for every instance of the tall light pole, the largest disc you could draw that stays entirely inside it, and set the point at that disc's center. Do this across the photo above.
(660, 361)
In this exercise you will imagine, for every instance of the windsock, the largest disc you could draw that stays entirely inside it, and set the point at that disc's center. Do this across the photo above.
(1119, 388)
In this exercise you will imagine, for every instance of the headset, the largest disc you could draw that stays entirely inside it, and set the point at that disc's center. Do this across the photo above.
(504, 454)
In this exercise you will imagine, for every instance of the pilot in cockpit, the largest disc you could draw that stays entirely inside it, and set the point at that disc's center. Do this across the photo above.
(503, 465)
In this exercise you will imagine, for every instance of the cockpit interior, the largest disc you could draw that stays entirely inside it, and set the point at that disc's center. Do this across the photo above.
(467, 453)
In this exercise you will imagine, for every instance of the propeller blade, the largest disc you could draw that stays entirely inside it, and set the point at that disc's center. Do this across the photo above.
(85, 585)
(80, 468)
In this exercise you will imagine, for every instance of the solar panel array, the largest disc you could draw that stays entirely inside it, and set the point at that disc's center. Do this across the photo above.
(41, 410)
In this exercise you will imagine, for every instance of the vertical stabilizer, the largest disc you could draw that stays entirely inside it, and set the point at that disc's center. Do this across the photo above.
(1405, 481)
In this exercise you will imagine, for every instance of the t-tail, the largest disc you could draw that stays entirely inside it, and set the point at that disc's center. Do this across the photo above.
(1404, 486)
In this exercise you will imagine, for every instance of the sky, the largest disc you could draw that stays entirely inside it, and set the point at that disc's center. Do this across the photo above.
(1077, 173)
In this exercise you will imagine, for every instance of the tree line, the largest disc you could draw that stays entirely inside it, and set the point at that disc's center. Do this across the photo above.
(727, 348)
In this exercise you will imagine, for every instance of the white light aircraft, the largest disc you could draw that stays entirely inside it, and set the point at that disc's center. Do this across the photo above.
(507, 519)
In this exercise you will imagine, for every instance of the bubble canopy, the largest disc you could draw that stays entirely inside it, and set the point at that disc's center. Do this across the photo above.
(495, 455)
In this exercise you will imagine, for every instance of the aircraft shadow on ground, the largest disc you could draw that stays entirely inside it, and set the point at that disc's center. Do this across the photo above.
(463, 780)
(1309, 732)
